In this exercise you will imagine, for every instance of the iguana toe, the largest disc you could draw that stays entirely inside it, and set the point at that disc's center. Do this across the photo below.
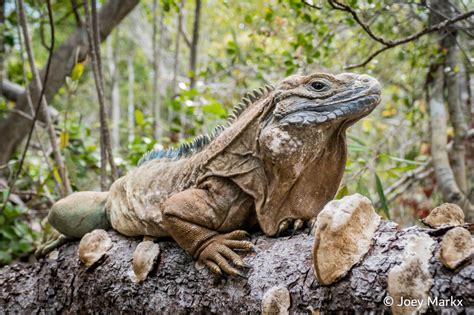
(298, 224)
(219, 255)
(244, 245)
(236, 235)
(51, 244)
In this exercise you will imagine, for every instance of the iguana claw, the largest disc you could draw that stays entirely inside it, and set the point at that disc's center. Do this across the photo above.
(311, 224)
(283, 226)
(220, 251)
(297, 225)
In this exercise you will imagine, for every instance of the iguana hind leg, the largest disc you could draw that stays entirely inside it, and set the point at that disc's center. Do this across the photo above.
(74, 216)
(206, 221)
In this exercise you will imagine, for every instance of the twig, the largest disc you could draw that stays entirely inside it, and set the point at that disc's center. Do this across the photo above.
(75, 10)
(30, 104)
(185, 37)
(311, 5)
(65, 185)
(96, 34)
(30, 133)
(105, 150)
(343, 7)
(393, 43)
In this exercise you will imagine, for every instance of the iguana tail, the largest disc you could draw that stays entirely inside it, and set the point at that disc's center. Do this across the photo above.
(80, 213)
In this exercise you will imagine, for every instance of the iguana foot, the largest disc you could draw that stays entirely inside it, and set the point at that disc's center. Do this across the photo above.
(54, 240)
(220, 251)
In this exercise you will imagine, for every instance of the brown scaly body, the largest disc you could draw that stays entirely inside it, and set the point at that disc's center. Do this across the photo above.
(277, 164)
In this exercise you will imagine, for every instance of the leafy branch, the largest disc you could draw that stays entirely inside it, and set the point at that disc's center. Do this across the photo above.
(387, 42)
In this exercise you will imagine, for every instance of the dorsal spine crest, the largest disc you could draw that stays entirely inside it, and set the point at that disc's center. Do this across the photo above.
(200, 142)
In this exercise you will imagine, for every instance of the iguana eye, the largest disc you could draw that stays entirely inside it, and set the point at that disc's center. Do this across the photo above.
(318, 86)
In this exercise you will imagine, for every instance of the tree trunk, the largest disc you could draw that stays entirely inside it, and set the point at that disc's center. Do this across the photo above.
(131, 99)
(15, 127)
(177, 285)
(174, 82)
(194, 46)
(114, 92)
(157, 50)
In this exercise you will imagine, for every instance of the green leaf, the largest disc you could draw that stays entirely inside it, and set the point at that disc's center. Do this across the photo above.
(139, 118)
(343, 191)
(8, 233)
(383, 200)
(356, 148)
(405, 160)
(5, 258)
(77, 71)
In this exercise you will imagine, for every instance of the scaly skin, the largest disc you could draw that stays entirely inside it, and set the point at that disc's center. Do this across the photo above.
(276, 165)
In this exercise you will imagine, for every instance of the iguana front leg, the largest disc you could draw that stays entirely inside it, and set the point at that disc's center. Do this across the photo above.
(195, 218)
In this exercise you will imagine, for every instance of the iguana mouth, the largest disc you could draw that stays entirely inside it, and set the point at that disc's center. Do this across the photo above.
(354, 108)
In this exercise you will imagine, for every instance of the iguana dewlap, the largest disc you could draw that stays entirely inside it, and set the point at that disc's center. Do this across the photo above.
(276, 164)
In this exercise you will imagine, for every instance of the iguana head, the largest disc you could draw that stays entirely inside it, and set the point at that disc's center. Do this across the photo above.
(302, 143)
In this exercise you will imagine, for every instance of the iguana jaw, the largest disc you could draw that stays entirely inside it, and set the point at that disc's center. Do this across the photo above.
(352, 109)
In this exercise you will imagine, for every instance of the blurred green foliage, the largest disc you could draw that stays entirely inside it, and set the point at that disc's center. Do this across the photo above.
(16, 237)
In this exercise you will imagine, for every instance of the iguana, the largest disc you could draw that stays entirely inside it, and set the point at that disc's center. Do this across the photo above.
(278, 161)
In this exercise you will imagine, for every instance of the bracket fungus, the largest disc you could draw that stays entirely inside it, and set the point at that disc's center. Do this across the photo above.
(411, 280)
(456, 247)
(276, 301)
(93, 246)
(343, 235)
(445, 214)
(144, 258)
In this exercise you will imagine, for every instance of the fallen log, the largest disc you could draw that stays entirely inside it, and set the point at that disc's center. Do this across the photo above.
(281, 279)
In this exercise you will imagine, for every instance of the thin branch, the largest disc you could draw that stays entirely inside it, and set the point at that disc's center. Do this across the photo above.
(75, 10)
(30, 104)
(96, 33)
(30, 133)
(185, 37)
(311, 5)
(94, 43)
(343, 7)
(65, 185)
(10, 90)
(393, 43)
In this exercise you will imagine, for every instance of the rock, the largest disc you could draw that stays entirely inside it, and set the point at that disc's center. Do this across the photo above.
(144, 258)
(276, 301)
(411, 281)
(93, 246)
(445, 214)
(456, 247)
(343, 235)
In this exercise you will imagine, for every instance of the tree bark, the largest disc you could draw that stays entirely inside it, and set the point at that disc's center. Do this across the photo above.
(11, 91)
(114, 91)
(105, 145)
(14, 128)
(174, 82)
(157, 50)
(177, 285)
(194, 46)
(131, 99)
